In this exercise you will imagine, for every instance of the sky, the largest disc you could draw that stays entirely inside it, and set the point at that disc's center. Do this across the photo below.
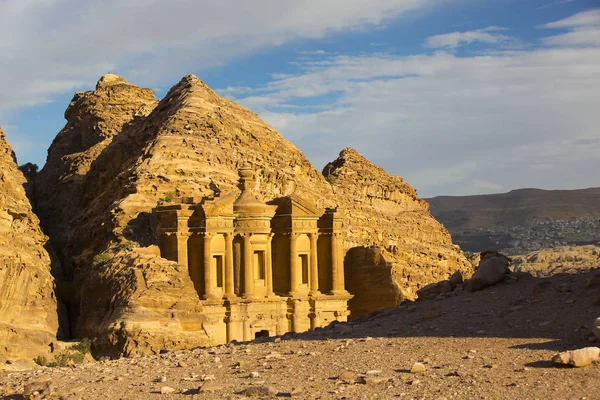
(456, 96)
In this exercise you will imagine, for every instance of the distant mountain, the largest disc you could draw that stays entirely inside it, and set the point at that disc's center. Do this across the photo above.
(521, 220)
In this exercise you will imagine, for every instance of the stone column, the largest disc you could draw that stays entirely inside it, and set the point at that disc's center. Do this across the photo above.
(314, 265)
(247, 262)
(229, 287)
(209, 274)
(294, 276)
(182, 249)
(341, 278)
(335, 270)
(269, 267)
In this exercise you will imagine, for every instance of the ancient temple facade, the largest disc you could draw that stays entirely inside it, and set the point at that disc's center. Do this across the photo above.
(259, 269)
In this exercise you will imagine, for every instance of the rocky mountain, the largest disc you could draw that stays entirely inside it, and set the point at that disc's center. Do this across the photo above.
(121, 153)
(522, 220)
(28, 307)
(395, 244)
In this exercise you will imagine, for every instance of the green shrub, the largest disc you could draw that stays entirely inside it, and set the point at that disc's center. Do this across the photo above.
(100, 259)
(169, 197)
(83, 347)
(40, 360)
(331, 179)
(75, 354)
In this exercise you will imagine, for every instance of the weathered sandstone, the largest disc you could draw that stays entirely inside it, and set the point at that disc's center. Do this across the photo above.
(579, 357)
(28, 309)
(99, 197)
(492, 269)
(384, 214)
(565, 259)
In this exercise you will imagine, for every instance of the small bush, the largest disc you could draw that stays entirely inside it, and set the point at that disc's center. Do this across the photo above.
(75, 355)
(331, 179)
(40, 360)
(100, 259)
(83, 347)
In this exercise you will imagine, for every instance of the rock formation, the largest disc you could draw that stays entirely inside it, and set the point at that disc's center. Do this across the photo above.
(28, 309)
(112, 164)
(564, 259)
(384, 213)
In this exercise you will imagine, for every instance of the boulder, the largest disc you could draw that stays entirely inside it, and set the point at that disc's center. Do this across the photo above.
(579, 357)
(492, 269)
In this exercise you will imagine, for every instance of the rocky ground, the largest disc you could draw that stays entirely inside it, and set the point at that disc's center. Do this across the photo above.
(492, 344)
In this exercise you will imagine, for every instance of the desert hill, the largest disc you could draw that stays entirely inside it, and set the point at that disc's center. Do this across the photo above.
(122, 153)
(521, 220)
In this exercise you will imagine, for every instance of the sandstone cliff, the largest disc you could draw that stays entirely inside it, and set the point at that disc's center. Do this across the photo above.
(409, 248)
(28, 309)
(191, 144)
(93, 120)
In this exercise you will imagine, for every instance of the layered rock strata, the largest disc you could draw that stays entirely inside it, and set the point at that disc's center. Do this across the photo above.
(191, 145)
(28, 308)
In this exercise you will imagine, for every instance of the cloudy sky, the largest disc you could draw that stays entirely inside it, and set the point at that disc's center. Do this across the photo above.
(456, 96)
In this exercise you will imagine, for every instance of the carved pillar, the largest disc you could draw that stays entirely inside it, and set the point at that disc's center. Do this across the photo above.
(314, 265)
(209, 274)
(182, 249)
(229, 287)
(247, 261)
(269, 266)
(294, 276)
(335, 270)
(341, 278)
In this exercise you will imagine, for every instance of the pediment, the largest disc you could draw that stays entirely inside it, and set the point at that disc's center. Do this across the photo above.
(296, 206)
(222, 205)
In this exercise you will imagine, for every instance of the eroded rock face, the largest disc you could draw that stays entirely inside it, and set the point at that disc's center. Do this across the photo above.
(94, 118)
(192, 144)
(28, 310)
(384, 211)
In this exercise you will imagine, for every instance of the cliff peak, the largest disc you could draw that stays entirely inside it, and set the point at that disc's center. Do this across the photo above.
(109, 80)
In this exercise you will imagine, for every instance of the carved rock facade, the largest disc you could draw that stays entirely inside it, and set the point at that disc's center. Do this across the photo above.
(135, 296)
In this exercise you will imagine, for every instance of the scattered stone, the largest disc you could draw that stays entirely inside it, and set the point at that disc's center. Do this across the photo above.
(182, 364)
(418, 368)
(211, 387)
(347, 377)
(579, 357)
(254, 375)
(374, 380)
(258, 391)
(166, 390)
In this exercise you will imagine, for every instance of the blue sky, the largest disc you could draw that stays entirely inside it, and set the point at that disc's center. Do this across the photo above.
(456, 96)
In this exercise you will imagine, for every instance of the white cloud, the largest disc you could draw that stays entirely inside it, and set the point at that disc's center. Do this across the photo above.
(55, 46)
(584, 18)
(584, 30)
(488, 35)
(555, 3)
(449, 124)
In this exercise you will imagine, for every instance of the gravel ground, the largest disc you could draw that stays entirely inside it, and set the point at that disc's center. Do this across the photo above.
(492, 344)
